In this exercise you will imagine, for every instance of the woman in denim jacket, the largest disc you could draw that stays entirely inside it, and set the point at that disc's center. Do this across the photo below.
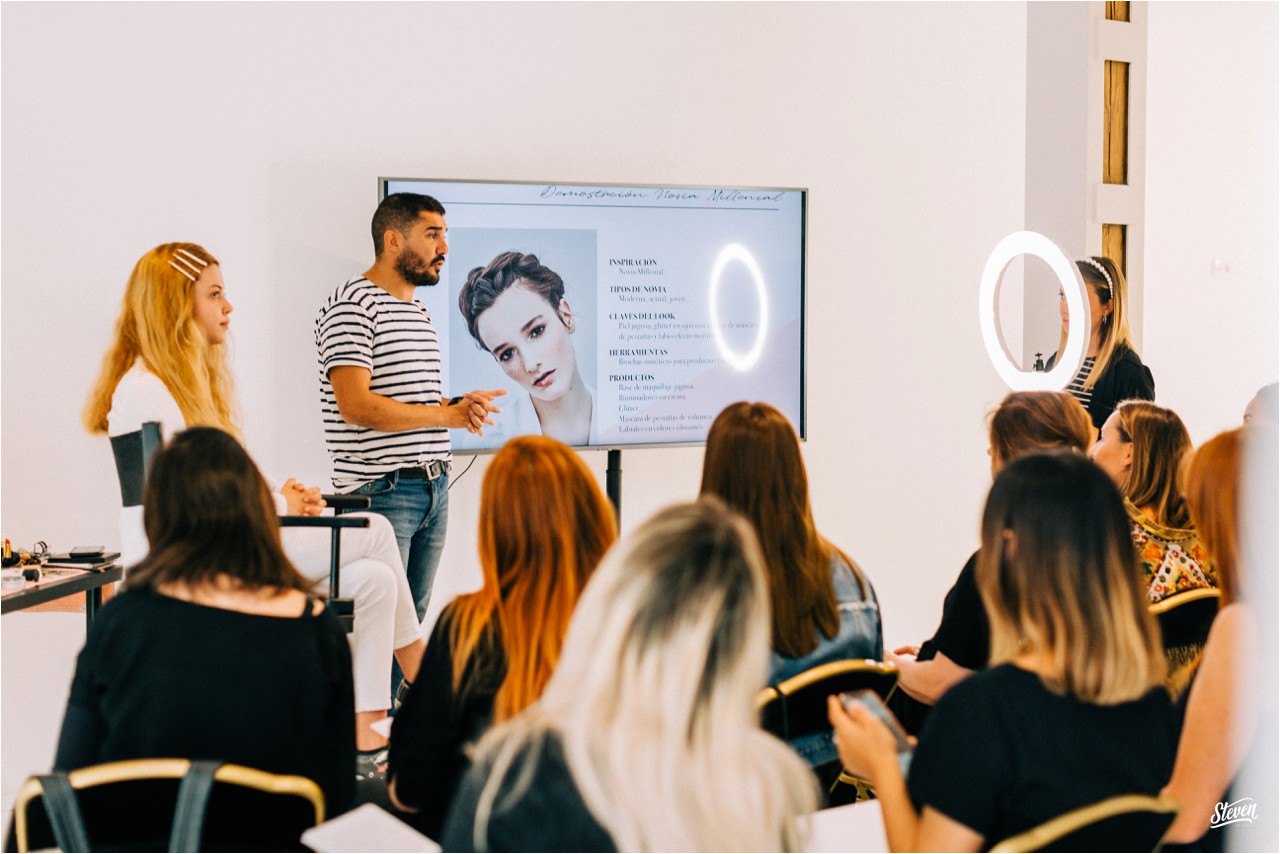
(824, 608)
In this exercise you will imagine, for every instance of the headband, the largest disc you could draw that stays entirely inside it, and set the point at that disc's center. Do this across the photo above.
(1106, 277)
(187, 264)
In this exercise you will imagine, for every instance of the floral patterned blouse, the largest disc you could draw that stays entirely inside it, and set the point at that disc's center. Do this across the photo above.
(1173, 559)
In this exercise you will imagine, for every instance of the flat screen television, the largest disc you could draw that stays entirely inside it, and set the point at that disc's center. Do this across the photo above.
(618, 316)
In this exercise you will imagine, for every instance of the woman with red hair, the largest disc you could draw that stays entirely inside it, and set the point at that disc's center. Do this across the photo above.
(544, 525)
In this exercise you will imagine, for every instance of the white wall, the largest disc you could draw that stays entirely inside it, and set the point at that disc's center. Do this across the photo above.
(258, 130)
(1213, 88)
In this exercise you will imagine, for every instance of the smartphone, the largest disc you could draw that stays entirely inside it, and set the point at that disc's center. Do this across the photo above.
(871, 701)
(86, 551)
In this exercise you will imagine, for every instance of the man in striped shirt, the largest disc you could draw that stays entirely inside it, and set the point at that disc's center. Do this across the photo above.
(385, 422)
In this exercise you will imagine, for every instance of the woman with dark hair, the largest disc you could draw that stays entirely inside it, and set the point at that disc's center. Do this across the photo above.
(1112, 370)
(544, 525)
(647, 736)
(216, 648)
(822, 607)
(1025, 421)
(1071, 710)
(1141, 447)
(516, 310)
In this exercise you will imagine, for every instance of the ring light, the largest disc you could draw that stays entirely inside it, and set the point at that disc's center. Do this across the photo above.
(1032, 243)
(740, 361)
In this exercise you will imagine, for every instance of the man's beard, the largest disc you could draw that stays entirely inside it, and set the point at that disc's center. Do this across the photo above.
(415, 271)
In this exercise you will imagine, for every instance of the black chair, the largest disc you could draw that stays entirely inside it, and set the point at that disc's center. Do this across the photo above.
(797, 707)
(1185, 619)
(1121, 823)
(166, 805)
(133, 453)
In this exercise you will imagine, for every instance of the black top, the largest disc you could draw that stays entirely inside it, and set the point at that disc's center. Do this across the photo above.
(963, 635)
(160, 677)
(1001, 753)
(434, 726)
(550, 814)
(1123, 378)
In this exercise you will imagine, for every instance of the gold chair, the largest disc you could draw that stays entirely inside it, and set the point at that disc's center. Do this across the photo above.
(167, 805)
(1185, 619)
(797, 707)
(1120, 823)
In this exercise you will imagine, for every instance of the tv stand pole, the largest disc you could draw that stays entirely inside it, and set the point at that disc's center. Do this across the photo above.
(613, 482)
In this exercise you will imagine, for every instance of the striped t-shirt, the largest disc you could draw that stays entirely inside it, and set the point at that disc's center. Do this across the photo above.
(363, 325)
(1076, 386)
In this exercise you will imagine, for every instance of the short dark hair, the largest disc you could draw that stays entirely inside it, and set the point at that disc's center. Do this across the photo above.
(485, 284)
(208, 512)
(398, 212)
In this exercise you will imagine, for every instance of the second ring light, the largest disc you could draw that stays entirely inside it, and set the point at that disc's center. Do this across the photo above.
(1033, 243)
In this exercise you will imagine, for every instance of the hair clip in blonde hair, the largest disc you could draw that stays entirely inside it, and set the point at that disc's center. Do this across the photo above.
(1106, 277)
(188, 264)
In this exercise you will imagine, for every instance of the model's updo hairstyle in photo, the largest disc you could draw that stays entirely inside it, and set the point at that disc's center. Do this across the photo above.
(485, 284)
(157, 325)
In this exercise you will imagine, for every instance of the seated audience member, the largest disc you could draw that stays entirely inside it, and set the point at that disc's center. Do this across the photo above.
(215, 649)
(647, 738)
(1025, 421)
(1265, 407)
(822, 606)
(168, 364)
(1221, 714)
(1141, 447)
(1070, 712)
(544, 526)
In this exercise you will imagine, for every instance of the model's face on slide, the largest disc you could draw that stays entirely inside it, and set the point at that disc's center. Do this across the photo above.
(531, 341)
(1111, 452)
(424, 249)
(211, 307)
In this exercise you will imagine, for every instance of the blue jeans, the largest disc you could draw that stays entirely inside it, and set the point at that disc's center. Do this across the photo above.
(418, 510)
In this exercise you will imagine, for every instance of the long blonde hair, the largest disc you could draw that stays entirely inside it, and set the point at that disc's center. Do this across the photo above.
(653, 700)
(157, 325)
(1058, 578)
(1115, 326)
(1160, 441)
(544, 526)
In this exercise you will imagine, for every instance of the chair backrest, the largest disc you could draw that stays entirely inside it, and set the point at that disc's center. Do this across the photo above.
(133, 453)
(797, 707)
(1120, 823)
(1185, 617)
(131, 806)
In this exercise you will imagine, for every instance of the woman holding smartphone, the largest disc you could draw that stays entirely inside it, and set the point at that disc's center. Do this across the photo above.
(1070, 711)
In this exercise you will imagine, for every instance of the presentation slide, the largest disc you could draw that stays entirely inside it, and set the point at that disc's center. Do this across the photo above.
(618, 316)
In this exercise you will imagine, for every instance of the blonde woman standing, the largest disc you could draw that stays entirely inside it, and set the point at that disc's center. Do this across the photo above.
(646, 738)
(168, 364)
(1112, 370)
